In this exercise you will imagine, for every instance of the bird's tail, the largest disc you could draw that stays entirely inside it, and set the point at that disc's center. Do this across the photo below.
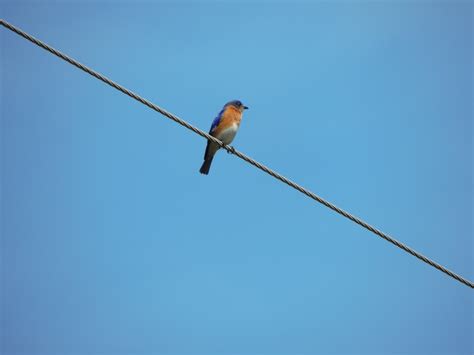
(206, 166)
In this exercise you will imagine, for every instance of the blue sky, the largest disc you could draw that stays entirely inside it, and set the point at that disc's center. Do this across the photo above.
(112, 242)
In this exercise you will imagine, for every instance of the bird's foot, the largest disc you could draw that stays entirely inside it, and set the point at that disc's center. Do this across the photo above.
(231, 150)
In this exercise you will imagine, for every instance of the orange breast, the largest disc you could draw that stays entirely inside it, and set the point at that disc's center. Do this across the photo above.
(230, 117)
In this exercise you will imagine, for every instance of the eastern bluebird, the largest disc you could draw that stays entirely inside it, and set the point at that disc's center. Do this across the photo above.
(224, 127)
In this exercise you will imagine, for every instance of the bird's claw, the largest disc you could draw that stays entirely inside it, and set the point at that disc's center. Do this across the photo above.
(231, 149)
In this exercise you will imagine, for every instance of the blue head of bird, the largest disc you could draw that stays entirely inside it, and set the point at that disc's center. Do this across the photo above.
(237, 104)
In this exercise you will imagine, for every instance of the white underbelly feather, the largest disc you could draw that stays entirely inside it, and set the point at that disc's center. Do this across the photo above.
(228, 134)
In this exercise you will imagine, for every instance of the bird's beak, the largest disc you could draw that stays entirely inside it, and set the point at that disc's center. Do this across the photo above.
(246, 108)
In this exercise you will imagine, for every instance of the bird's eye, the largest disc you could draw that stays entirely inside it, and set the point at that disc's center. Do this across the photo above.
(238, 103)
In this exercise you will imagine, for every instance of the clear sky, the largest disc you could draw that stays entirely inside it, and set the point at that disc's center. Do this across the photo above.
(113, 243)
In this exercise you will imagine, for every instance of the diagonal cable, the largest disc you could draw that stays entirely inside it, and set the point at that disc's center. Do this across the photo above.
(242, 156)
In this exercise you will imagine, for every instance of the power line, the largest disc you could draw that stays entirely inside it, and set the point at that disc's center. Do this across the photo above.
(242, 156)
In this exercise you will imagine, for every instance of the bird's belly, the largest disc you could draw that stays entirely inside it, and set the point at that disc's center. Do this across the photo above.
(227, 135)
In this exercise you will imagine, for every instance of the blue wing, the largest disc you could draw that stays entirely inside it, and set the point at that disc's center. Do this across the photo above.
(217, 120)
(215, 123)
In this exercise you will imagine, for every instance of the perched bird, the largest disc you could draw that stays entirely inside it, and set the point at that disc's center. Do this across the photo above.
(224, 127)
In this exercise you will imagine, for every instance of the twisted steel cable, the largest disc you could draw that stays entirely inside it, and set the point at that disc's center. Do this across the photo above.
(242, 156)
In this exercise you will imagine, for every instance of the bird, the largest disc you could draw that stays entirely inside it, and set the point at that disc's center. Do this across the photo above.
(224, 127)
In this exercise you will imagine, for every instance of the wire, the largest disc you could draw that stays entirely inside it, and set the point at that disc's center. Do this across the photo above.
(242, 156)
